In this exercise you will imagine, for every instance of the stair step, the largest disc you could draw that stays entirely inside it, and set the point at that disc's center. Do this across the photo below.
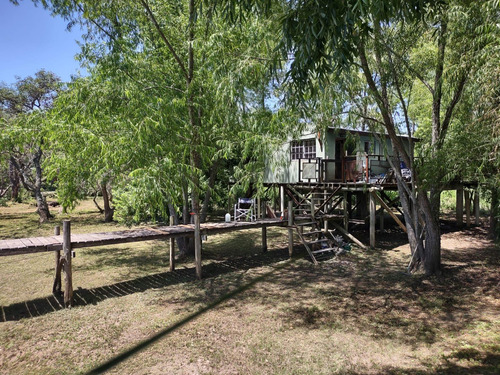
(317, 241)
(324, 250)
(306, 223)
(312, 232)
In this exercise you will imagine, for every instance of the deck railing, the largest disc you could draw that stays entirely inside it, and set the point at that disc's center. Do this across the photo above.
(350, 168)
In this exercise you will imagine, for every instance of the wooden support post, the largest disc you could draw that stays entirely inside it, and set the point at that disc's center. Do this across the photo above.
(282, 201)
(258, 208)
(325, 226)
(264, 239)
(172, 248)
(476, 206)
(389, 211)
(56, 287)
(372, 219)
(467, 207)
(197, 244)
(346, 211)
(68, 279)
(290, 229)
(460, 206)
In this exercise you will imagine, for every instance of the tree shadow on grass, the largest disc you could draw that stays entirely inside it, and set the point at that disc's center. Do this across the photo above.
(83, 297)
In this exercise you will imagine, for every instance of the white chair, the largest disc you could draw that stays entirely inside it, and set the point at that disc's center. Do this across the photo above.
(244, 209)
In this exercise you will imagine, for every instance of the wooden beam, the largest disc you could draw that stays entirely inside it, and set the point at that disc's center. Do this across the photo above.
(476, 206)
(264, 239)
(460, 206)
(372, 219)
(68, 279)
(197, 245)
(349, 235)
(282, 201)
(346, 211)
(172, 248)
(290, 229)
(387, 208)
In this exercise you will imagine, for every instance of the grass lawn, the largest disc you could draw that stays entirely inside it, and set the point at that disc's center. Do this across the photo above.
(357, 314)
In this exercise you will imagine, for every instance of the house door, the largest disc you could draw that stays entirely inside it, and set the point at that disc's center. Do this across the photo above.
(339, 158)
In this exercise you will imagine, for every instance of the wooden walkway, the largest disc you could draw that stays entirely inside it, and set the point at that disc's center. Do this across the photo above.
(53, 243)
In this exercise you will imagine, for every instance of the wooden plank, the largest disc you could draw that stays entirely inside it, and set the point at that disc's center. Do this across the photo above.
(349, 235)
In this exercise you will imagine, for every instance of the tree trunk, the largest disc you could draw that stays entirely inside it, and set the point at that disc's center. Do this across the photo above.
(15, 181)
(108, 210)
(42, 206)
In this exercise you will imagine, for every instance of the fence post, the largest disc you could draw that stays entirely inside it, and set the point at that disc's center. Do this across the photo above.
(172, 248)
(56, 288)
(68, 279)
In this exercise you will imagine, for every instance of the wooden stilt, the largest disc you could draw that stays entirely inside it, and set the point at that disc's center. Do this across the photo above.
(381, 219)
(476, 206)
(264, 239)
(460, 206)
(197, 244)
(346, 211)
(325, 226)
(290, 229)
(68, 279)
(467, 207)
(56, 288)
(372, 219)
(389, 211)
(172, 248)
(258, 207)
(282, 201)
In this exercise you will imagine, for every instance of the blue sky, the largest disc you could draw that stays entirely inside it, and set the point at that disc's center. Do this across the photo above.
(31, 39)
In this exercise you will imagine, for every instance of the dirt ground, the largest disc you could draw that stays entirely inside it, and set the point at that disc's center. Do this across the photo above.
(359, 313)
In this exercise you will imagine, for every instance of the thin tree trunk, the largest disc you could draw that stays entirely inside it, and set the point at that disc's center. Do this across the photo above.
(108, 210)
(15, 181)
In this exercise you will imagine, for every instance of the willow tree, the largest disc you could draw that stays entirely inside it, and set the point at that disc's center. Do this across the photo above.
(173, 85)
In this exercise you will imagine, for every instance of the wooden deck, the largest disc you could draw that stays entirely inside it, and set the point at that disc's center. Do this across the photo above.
(53, 243)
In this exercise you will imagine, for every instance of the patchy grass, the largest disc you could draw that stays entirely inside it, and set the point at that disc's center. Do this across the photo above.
(357, 314)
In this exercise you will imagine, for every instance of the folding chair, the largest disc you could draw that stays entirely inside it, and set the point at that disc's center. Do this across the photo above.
(244, 209)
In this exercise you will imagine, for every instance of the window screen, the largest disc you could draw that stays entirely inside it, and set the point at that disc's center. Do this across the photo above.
(304, 149)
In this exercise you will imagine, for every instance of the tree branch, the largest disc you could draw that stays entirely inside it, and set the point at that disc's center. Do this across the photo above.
(165, 39)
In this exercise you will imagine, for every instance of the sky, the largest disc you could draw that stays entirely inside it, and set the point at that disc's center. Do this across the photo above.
(31, 39)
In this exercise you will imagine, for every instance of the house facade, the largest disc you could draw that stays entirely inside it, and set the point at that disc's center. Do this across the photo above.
(339, 156)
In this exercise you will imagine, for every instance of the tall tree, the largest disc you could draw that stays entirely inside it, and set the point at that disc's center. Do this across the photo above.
(25, 105)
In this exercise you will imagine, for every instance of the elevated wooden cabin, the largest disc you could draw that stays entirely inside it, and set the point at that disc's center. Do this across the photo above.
(340, 156)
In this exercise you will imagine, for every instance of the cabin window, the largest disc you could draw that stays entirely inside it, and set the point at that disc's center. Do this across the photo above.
(304, 149)
(367, 147)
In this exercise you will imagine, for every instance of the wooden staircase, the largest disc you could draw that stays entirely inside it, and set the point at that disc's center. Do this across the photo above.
(308, 224)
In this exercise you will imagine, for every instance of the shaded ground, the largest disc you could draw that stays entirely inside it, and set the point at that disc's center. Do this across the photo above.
(355, 314)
